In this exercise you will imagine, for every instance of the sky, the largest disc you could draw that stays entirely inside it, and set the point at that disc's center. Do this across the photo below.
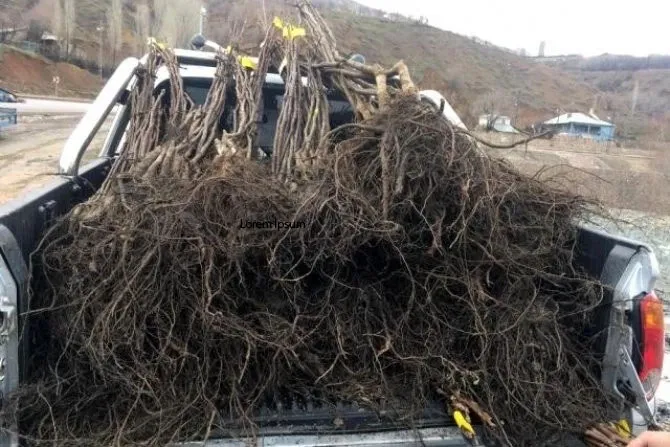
(587, 27)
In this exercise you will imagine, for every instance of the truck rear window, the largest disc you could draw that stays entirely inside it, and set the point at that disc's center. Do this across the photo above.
(341, 111)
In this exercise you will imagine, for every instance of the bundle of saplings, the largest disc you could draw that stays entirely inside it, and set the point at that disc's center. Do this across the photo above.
(406, 267)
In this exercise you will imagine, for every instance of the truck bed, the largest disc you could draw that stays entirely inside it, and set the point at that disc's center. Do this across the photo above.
(24, 221)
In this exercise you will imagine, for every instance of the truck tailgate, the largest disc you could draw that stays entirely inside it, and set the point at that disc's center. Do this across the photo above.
(433, 437)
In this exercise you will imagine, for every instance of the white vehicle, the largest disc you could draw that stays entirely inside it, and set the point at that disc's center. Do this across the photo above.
(631, 346)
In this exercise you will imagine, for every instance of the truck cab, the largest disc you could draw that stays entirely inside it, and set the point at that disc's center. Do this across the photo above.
(628, 341)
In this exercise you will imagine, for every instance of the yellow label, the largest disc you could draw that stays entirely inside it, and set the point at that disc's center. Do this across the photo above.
(288, 31)
(248, 62)
(463, 424)
(623, 429)
(296, 32)
(151, 41)
(278, 23)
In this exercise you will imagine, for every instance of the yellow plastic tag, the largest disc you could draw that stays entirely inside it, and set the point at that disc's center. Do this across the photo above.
(294, 32)
(151, 41)
(278, 23)
(289, 31)
(248, 62)
(463, 424)
(623, 429)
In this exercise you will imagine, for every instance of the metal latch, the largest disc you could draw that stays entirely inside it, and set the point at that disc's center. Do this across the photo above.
(628, 374)
(7, 327)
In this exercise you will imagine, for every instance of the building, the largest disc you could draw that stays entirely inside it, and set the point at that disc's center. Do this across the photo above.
(581, 125)
(49, 45)
(498, 123)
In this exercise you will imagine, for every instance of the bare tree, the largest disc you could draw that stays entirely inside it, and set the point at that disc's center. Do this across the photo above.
(492, 104)
(264, 18)
(7, 30)
(160, 10)
(36, 30)
(636, 96)
(175, 21)
(142, 25)
(187, 23)
(235, 22)
(115, 27)
(69, 24)
(57, 21)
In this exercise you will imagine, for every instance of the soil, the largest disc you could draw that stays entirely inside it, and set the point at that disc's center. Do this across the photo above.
(22, 72)
(630, 179)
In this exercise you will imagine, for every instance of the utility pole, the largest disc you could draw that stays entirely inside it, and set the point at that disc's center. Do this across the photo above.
(516, 110)
(203, 14)
(101, 30)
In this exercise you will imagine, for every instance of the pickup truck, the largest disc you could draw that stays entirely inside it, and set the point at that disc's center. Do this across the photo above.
(630, 341)
(7, 118)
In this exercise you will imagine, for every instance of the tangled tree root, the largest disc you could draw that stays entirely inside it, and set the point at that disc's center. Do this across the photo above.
(411, 267)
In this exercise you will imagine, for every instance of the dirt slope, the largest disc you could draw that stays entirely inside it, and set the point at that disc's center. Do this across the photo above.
(26, 73)
(651, 114)
(470, 73)
(475, 76)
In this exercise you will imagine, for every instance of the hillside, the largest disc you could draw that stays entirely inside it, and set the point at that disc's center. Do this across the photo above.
(27, 73)
(636, 90)
(476, 78)
(480, 76)
(653, 86)
(609, 62)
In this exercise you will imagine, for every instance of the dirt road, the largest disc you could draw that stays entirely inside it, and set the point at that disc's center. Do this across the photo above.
(29, 154)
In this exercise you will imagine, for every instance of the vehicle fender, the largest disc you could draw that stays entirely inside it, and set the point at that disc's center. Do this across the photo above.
(439, 101)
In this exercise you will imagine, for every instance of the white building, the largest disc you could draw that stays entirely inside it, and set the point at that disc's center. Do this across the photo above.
(501, 123)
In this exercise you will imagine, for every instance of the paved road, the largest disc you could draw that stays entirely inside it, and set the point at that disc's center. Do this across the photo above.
(29, 154)
(48, 107)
